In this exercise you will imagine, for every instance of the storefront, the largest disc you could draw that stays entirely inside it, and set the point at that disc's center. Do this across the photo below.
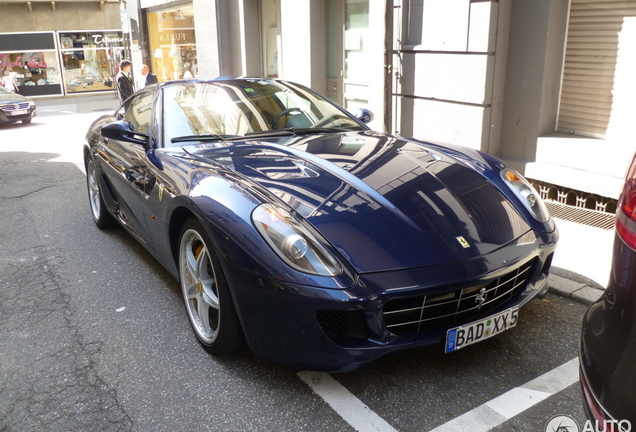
(62, 63)
(173, 49)
(90, 60)
(34, 59)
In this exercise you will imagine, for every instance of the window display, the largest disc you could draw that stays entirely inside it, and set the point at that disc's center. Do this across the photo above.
(31, 59)
(172, 43)
(33, 69)
(90, 60)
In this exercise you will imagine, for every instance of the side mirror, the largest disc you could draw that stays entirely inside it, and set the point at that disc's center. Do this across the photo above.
(364, 115)
(123, 131)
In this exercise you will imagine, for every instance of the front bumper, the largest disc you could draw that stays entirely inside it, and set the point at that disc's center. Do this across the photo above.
(341, 330)
(8, 117)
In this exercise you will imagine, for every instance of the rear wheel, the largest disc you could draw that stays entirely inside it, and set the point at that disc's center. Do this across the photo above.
(205, 292)
(102, 218)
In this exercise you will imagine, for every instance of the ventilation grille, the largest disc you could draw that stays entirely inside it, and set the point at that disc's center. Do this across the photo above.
(578, 206)
(581, 215)
(343, 326)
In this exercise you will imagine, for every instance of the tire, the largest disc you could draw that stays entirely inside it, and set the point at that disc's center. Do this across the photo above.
(26, 121)
(206, 295)
(101, 217)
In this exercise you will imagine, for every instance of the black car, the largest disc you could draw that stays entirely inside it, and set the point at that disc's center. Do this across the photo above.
(608, 338)
(14, 107)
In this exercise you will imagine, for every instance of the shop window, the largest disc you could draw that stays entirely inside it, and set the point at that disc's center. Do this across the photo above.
(172, 43)
(90, 60)
(37, 72)
(33, 59)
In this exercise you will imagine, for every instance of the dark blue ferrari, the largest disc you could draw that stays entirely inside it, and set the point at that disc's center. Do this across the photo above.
(318, 242)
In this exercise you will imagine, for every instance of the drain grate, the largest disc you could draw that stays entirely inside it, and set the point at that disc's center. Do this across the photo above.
(580, 215)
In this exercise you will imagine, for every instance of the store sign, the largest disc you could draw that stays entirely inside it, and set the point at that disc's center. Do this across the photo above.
(101, 39)
(177, 37)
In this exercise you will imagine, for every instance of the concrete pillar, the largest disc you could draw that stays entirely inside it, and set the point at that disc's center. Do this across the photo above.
(208, 30)
(302, 28)
(535, 55)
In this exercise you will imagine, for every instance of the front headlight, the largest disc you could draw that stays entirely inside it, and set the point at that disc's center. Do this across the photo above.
(526, 193)
(295, 241)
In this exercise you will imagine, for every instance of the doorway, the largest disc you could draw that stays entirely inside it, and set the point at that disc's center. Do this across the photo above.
(348, 53)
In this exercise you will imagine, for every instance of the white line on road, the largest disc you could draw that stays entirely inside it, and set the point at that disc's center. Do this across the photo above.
(481, 419)
(349, 407)
(514, 402)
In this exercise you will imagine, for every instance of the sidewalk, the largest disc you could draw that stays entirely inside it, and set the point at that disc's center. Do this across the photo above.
(582, 261)
(581, 265)
(82, 104)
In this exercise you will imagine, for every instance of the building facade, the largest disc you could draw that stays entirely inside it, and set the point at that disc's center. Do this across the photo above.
(547, 85)
(62, 47)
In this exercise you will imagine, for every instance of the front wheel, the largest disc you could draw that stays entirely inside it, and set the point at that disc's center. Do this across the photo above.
(101, 217)
(205, 292)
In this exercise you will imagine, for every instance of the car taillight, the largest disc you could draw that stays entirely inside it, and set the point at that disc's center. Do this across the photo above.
(626, 211)
(602, 421)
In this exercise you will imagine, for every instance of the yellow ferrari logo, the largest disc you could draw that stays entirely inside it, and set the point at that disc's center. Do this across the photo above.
(462, 241)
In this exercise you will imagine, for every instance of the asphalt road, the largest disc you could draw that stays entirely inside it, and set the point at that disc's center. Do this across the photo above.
(94, 336)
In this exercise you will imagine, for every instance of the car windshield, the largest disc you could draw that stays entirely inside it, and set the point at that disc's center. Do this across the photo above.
(230, 109)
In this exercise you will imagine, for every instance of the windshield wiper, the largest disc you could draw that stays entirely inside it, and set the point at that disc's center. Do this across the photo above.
(261, 134)
(203, 137)
(310, 130)
(269, 133)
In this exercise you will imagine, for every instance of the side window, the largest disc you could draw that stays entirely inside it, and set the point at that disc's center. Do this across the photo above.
(138, 111)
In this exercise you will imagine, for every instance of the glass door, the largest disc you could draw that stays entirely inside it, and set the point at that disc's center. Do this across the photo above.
(356, 54)
(269, 37)
(348, 52)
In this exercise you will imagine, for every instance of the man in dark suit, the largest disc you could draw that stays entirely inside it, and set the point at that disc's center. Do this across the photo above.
(150, 77)
(124, 81)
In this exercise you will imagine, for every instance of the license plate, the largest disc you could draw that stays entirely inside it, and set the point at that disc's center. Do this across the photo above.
(462, 336)
(19, 112)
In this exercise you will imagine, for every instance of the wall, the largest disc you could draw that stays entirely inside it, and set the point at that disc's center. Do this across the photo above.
(532, 90)
(15, 17)
(302, 56)
(448, 76)
(227, 35)
(537, 35)
(208, 30)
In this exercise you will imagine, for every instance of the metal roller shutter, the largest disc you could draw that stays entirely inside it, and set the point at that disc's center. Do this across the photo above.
(590, 62)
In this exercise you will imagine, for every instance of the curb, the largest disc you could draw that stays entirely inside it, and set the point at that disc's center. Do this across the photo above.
(577, 291)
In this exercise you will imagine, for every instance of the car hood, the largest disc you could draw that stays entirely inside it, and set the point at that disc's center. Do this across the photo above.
(385, 203)
(12, 97)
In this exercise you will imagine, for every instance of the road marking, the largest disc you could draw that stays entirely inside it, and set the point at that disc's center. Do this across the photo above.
(480, 419)
(349, 407)
(514, 402)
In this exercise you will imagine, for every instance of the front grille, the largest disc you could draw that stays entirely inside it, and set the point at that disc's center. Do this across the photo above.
(14, 106)
(419, 313)
(343, 326)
